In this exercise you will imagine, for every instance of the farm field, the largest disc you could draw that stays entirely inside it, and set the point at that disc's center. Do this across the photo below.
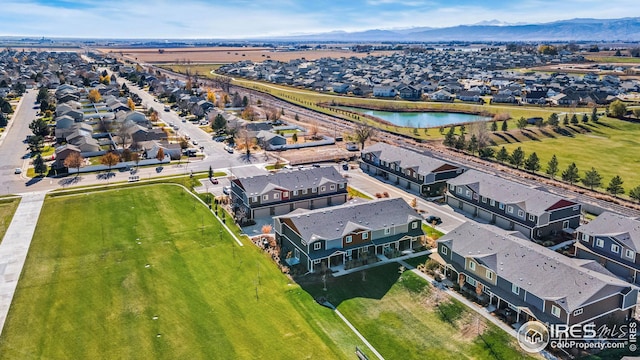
(608, 146)
(222, 55)
(148, 273)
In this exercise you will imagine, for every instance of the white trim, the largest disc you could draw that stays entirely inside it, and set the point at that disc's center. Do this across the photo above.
(515, 289)
(617, 248)
(599, 243)
(472, 265)
(626, 254)
(365, 235)
(348, 239)
(578, 312)
(444, 250)
(555, 309)
(317, 245)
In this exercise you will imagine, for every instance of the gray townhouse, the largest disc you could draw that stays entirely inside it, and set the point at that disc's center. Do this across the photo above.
(613, 241)
(525, 281)
(349, 235)
(412, 170)
(512, 206)
(282, 192)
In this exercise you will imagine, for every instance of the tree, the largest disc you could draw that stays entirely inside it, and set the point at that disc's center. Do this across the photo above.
(210, 172)
(297, 117)
(486, 153)
(565, 121)
(570, 174)
(517, 157)
(553, 120)
(248, 114)
(617, 109)
(245, 101)
(135, 157)
(532, 163)
(43, 94)
(635, 193)
(211, 96)
(522, 123)
(592, 178)
(615, 186)
(109, 159)
(552, 167)
(3, 120)
(585, 118)
(219, 122)
(160, 154)
(594, 115)
(39, 166)
(294, 138)
(131, 104)
(460, 142)
(123, 131)
(39, 127)
(74, 160)
(494, 126)
(574, 119)
(36, 144)
(504, 125)
(449, 138)
(184, 143)
(502, 155)
(473, 144)
(363, 133)
(94, 96)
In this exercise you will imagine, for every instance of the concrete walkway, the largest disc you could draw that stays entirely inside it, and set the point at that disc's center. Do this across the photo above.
(14, 248)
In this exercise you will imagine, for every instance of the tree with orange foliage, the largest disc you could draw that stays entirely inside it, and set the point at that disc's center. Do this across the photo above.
(94, 96)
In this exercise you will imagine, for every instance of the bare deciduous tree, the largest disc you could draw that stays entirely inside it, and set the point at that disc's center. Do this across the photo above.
(364, 132)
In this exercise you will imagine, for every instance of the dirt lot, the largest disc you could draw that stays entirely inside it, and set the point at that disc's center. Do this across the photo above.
(335, 152)
(227, 55)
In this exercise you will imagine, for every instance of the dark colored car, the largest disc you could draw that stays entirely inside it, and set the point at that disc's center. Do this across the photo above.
(159, 169)
(433, 220)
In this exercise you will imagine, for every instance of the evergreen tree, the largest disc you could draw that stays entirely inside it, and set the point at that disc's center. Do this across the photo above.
(570, 174)
(39, 166)
(502, 155)
(635, 193)
(532, 163)
(615, 186)
(473, 144)
(3, 120)
(553, 120)
(504, 125)
(494, 126)
(592, 178)
(486, 152)
(552, 167)
(450, 138)
(594, 115)
(517, 157)
(565, 121)
(574, 119)
(461, 142)
(585, 118)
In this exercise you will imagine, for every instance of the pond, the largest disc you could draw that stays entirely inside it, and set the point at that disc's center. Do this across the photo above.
(419, 119)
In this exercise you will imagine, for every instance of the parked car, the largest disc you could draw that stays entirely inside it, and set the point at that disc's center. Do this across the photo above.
(229, 149)
(195, 142)
(315, 165)
(226, 190)
(214, 181)
(18, 171)
(159, 169)
(433, 220)
(288, 167)
(345, 165)
(166, 108)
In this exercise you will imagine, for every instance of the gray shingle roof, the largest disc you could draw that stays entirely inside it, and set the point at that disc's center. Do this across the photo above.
(623, 229)
(335, 222)
(532, 200)
(290, 180)
(536, 269)
(406, 159)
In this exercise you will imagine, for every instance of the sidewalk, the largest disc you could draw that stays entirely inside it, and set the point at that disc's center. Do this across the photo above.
(14, 248)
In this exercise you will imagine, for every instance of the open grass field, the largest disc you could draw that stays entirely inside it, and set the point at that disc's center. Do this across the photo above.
(225, 55)
(613, 59)
(148, 273)
(7, 209)
(609, 146)
(414, 327)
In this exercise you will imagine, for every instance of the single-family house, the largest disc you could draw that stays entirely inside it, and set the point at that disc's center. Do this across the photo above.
(282, 192)
(536, 97)
(524, 281)
(270, 140)
(384, 91)
(348, 236)
(62, 152)
(409, 92)
(409, 169)
(512, 206)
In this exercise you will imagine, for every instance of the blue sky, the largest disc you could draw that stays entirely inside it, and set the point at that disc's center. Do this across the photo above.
(244, 18)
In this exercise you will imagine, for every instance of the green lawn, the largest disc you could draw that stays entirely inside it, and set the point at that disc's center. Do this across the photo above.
(7, 209)
(93, 286)
(398, 315)
(610, 147)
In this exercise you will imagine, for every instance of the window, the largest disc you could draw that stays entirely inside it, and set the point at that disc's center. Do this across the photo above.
(323, 188)
(365, 235)
(414, 225)
(501, 206)
(348, 239)
(459, 190)
(600, 243)
(316, 261)
(555, 311)
(472, 265)
(520, 213)
(493, 202)
(467, 193)
(285, 194)
(451, 187)
(295, 192)
(471, 281)
(304, 191)
(483, 199)
(585, 237)
(515, 289)
(276, 196)
(510, 209)
(565, 224)
(532, 217)
(265, 197)
(615, 248)
(332, 187)
(317, 246)
(341, 186)
(314, 190)
(387, 231)
(255, 199)
(444, 250)
(576, 207)
(577, 312)
(489, 274)
(629, 254)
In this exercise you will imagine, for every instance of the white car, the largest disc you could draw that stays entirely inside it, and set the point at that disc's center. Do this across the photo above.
(195, 142)
(18, 171)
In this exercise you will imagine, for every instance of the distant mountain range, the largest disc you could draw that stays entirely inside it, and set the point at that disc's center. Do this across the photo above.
(625, 29)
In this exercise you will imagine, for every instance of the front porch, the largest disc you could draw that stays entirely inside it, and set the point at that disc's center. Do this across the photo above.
(340, 270)
(341, 261)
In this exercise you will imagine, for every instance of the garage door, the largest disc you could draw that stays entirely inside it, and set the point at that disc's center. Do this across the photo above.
(470, 209)
(282, 209)
(522, 229)
(319, 203)
(260, 213)
(484, 215)
(503, 223)
(301, 205)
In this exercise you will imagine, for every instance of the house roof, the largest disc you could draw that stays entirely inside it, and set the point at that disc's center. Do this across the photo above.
(337, 221)
(571, 283)
(624, 230)
(408, 159)
(289, 180)
(532, 200)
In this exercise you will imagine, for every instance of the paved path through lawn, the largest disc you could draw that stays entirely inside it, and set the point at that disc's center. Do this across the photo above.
(14, 248)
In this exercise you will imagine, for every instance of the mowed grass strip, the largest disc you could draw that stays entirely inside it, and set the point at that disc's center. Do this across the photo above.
(398, 314)
(7, 209)
(149, 273)
(609, 146)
